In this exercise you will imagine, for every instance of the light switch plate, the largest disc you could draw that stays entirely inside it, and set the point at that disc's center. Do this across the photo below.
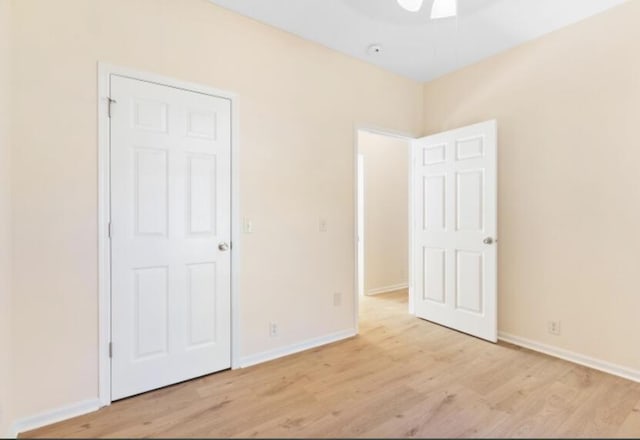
(247, 225)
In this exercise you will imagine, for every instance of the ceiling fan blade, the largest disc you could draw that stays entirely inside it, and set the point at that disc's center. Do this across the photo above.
(411, 5)
(444, 9)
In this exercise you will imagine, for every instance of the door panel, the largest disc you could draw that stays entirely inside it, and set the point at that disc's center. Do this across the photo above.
(201, 194)
(151, 191)
(469, 200)
(170, 208)
(455, 200)
(434, 274)
(469, 285)
(201, 298)
(434, 211)
(151, 322)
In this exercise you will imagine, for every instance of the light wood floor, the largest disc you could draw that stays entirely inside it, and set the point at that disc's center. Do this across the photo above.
(402, 377)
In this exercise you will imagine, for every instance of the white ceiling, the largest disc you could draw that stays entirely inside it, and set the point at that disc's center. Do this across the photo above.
(413, 45)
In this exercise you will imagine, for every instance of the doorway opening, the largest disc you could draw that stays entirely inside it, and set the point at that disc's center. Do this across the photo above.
(383, 226)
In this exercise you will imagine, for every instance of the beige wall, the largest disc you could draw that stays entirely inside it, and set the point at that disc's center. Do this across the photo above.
(299, 104)
(568, 111)
(5, 223)
(386, 205)
(567, 107)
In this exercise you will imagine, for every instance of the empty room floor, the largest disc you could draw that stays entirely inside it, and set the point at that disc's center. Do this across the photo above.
(401, 377)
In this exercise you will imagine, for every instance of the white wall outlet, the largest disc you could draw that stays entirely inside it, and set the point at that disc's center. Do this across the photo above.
(247, 225)
(273, 329)
(337, 299)
(554, 327)
(322, 225)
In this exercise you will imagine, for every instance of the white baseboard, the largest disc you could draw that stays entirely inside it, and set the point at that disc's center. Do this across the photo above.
(54, 415)
(577, 358)
(87, 406)
(387, 289)
(269, 355)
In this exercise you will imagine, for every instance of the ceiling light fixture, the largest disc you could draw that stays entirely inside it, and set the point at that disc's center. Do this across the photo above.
(444, 9)
(411, 5)
(440, 8)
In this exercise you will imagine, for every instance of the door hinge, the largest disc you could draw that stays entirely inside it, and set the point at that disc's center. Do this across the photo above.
(110, 349)
(110, 102)
(109, 229)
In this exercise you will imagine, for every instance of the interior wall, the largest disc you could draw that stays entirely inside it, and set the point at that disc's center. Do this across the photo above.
(5, 222)
(567, 107)
(386, 207)
(299, 103)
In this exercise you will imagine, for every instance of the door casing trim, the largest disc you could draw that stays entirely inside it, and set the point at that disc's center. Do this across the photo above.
(105, 71)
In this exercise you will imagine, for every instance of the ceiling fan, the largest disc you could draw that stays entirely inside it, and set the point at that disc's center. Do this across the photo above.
(440, 9)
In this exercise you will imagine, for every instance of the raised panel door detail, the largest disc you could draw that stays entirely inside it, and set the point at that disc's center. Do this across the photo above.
(201, 195)
(150, 115)
(434, 275)
(170, 203)
(202, 125)
(469, 282)
(469, 200)
(470, 148)
(202, 296)
(434, 154)
(434, 203)
(151, 292)
(454, 264)
(151, 192)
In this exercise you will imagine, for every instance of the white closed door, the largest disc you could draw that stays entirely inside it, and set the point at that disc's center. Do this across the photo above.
(170, 235)
(455, 226)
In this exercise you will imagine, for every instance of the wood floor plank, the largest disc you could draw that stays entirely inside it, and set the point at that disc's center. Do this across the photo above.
(631, 426)
(401, 377)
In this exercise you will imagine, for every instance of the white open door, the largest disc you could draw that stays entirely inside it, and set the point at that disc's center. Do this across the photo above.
(170, 233)
(454, 229)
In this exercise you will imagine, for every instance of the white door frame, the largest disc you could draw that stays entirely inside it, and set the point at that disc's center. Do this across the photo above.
(104, 214)
(356, 282)
(360, 222)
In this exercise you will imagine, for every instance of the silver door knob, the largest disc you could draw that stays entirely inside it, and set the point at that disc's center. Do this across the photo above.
(488, 240)
(223, 246)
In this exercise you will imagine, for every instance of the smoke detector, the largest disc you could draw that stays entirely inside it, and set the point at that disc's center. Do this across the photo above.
(374, 49)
